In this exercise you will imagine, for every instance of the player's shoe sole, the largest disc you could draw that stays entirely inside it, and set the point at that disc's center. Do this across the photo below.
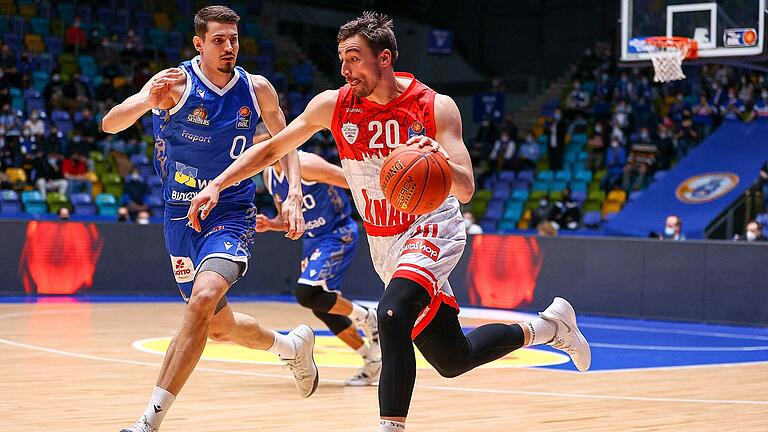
(303, 365)
(568, 337)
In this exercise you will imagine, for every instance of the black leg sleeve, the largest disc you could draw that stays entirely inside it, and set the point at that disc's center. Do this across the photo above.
(335, 323)
(445, 346)
(398, 309)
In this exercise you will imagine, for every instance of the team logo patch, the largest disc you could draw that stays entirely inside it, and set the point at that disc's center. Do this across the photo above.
(215, 229)
(416, 129)
(243, 118)
(183, 269)
(739, 37)
(424, 247)
(199, 116)
(350, 131)
(315, 255)
(186, 175)
(228, 245)
(704, 188)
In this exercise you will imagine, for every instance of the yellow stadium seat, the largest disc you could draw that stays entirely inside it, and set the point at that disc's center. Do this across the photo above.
(611, 207)
(16, 175)
(618, 196)
(162, 21)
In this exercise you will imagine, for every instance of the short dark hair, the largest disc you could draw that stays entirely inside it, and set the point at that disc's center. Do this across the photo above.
(220, 14)
(376, 28)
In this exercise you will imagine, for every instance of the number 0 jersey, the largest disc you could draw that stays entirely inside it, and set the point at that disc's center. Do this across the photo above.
(203, 134)
(365, 133)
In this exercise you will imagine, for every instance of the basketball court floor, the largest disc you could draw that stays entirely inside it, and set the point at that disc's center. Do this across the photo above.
(77, 366)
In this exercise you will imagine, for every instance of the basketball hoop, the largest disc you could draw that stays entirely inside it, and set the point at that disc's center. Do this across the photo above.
(667, 54)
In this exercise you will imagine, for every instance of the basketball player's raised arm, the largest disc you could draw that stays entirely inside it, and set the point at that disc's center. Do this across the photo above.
(449, 137)
(315, 168)
(274, 120)
(162, 91)
(315, 117)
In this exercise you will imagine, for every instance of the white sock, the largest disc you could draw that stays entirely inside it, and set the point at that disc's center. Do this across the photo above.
(159, 404)
(364, 350)
(542, 331)
(283, 346)
(358, 313)
(391, 426)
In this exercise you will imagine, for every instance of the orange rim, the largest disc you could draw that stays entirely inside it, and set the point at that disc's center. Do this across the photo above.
(687, 45)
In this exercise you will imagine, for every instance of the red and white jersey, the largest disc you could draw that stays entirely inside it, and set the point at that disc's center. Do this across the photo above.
(365, 133)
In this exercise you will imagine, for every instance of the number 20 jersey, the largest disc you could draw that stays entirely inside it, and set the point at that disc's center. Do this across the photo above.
(203, 134)
(365, 133)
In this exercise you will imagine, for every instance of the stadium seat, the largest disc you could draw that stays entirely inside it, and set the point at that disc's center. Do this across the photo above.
(33, 202)
(578, 186)
(66, 12)
(17, 177)
(583, 175)
(514, 210)
(507, 225)
(156, 205)
(579, 195)
(107, 204)
(596, 195)
(488, 226)
(557, 185)
(526, 175)
(545, 175)
(508, 176)
(555, 195)
(41, 26)
(634, 195)
(83, 204)
(540, 186)
(618, 196)
(762, 219)
(591, 206)
(495, 210)
(519, 194)
(500, 193)
(592, 219)
(34, 43)
(9, 203)
(611, 207)
(56, 201)
(563, 175)
(531, 204)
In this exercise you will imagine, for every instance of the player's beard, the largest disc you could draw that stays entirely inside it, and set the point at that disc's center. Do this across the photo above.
(364, 89)
(227, 68)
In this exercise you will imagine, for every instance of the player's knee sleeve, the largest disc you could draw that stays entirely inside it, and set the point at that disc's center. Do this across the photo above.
(315, 297)
(228, 269)
(336, 323)
(400, 305)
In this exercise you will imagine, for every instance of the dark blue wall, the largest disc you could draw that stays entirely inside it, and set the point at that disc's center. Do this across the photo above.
(693, 281)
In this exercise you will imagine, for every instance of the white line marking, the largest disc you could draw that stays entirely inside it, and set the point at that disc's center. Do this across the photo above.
(429, 387)
(677, 348)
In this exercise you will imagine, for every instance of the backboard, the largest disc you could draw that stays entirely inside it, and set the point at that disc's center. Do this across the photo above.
(723, 28)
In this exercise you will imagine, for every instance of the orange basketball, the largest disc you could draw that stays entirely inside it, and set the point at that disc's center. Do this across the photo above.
(415, 181)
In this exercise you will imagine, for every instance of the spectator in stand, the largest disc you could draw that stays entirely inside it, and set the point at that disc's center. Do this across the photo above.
(9, 120)
(687, 138)
(615, 160)
(75, 170)
(123, 215)
(510, 127)
(75, 37)
(752, 233)
(565, 213)
(486, 135)
(63, 213)
(733, 108)
(718, 96)
(763, 180)
(703, 116)
(542, 213)
(35, 124)
(641, 161)
(665, 147)
(677, 108)
(470, 224)
(673, 229)
(136, 191)
(556, 147)
(10, 67)
(134, 45)
(503, 152)
(545, 229)
(77, 91)
(760, 109)
(142, 218)
(621, 116)
(88, 129)
(577, 99)
(529, 153)
(53, 92)
(10, 154)
(48, 174)
(55, 142)
(642, 110)
(596, 148)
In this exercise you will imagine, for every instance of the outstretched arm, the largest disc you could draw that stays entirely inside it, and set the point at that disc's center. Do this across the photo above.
(315, 168)
(162, 91)
(317, 116)
(274, 120)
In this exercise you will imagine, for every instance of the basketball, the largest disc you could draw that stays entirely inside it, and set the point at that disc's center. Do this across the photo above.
(415, 181)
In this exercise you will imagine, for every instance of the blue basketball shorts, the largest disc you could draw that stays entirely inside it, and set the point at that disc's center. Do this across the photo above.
(328, 256)
(226, 233)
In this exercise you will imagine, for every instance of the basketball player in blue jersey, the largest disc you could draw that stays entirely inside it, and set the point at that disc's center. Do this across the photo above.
(205, 114)
(329, 246)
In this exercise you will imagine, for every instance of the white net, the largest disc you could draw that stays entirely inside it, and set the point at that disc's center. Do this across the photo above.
(668, 65)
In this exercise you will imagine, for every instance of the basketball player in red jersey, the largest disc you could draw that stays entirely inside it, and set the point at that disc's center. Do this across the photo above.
(375, 112)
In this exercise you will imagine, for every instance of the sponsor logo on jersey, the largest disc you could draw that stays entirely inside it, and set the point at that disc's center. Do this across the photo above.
(378, 212)
(704, 188)
(739, 37)
(183, 196)
(243, 118)
(355, 110)
(187, 175)
(193, 138)
(228, 245)
(315, 255)
(350, 132)
(416, 129)
(216, 228)
(315, 223)
(424, 247)
(199, 116)
(201, 93)
(183, 269)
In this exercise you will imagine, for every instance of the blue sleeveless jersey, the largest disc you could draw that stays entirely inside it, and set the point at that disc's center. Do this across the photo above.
(325, 206)
(203, 134)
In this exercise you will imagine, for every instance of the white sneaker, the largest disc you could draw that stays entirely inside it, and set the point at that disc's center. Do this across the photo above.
(303, 365)
(568, 338)
(367, 375)
(141, 425)
(370, 328)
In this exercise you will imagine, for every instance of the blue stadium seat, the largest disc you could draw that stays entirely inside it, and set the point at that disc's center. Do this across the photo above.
(506, 176)
(583, 175)
(9, 203)
(592, 219)
(83, 204)
(107, 204)
(563, 175)
(495, 210)
(519, 194)
(34, 202)
(545, 175)
(507, 225)
(514, 210)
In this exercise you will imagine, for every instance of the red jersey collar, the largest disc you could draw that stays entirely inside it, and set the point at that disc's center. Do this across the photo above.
(396, 100)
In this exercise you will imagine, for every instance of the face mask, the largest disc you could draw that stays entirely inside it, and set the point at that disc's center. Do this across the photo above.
(669, 231)
(467, 223)
(142, 221)
(614, 144)
(529, 138)
(598, 130)
(543, 203)
(751, 236)
(764, 95)
(136, 176)
(558, 116)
